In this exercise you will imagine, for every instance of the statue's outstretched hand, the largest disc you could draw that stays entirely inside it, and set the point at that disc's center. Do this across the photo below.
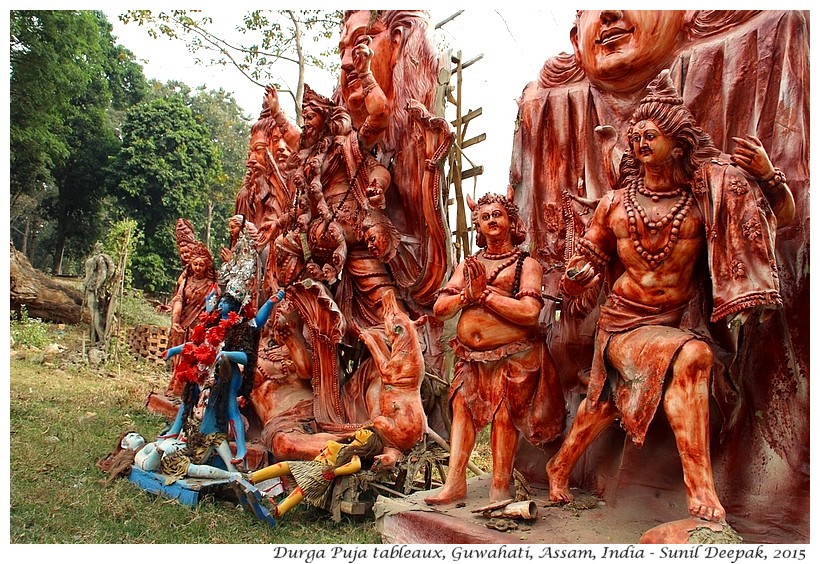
(579, 276)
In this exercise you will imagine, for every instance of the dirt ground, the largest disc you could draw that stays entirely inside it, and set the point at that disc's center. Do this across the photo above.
(584, 521)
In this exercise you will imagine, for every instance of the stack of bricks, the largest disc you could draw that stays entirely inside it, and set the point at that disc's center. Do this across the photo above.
(148, 341)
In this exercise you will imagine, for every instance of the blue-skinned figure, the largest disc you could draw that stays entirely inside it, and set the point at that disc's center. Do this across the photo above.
(210, 409)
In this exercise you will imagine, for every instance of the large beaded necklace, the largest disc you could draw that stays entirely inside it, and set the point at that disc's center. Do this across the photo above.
(674, 218)
(511, 256)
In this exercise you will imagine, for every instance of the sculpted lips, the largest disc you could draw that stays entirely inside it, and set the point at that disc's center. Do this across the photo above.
(614, 34)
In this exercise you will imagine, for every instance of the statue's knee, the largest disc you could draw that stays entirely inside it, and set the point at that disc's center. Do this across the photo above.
(696, 354)
(281, 444)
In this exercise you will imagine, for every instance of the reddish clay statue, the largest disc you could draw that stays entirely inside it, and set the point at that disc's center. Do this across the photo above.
(504, 373)
(400, 421)
(740, 73)
(264, 196)
(349, 242)
(649, 239)
(197, 281)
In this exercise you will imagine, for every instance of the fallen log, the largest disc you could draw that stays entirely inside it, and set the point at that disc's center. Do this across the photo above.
(43, 297)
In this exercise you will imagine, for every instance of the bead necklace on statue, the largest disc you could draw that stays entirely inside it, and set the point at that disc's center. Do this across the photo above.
(655, 256)
(657, 196)
(511, 257)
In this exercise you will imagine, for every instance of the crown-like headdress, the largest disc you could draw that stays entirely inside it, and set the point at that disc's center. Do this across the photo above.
(313, 98)
(237, 275)
(662, 90)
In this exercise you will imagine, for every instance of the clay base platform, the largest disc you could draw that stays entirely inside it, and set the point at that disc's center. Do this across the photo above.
(585, 521)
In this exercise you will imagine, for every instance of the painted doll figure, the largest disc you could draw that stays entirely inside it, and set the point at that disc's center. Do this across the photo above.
(169, 456)
(315, 477)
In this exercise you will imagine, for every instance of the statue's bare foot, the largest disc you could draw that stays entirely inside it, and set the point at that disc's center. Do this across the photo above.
(448, 494)
(559, 483)
(499, 494)
(707, 507)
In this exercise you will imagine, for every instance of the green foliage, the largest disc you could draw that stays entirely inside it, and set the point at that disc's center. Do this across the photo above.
(28, 331)
(153, 273)
(68, 81)
(268, 37)
(219, 112)
(162, 172)
(278, 32)
(46, 66)
(123, 238)
(134, 310)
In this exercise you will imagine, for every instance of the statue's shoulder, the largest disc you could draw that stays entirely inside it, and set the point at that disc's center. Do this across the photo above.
(559, 74)
(561, 70)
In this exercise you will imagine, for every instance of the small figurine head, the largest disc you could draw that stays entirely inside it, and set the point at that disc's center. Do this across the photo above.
(366, 443)
(258, 151)
(380, 235)
(361, 436)
(235, 225)
(227, 304)
(201, 261)
(184, 234)
(132, 441)
(494, 216)
(281, 151)
(315, 114)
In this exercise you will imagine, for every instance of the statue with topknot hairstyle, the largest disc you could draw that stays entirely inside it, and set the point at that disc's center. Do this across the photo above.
(648, 241)
(739, 72)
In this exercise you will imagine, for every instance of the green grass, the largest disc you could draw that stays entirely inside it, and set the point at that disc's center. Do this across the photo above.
(65, 416)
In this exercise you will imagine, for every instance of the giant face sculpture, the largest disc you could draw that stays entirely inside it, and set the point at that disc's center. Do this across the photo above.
(624, 49)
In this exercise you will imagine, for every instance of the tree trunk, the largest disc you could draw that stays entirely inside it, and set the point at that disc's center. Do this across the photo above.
(208, 223)
(43, 297)
(59, 250)
(300, 86)
(24, 248)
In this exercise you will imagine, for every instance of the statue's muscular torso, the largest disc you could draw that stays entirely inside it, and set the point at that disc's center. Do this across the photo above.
(669, 284)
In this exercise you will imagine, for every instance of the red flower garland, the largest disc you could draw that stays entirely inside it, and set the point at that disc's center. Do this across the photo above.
(199, 354)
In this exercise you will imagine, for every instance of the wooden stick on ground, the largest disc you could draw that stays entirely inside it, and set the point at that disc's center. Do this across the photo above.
(443, 444)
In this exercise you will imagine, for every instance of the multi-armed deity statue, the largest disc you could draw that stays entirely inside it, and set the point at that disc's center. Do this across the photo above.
(351, 227)
(671, 252)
